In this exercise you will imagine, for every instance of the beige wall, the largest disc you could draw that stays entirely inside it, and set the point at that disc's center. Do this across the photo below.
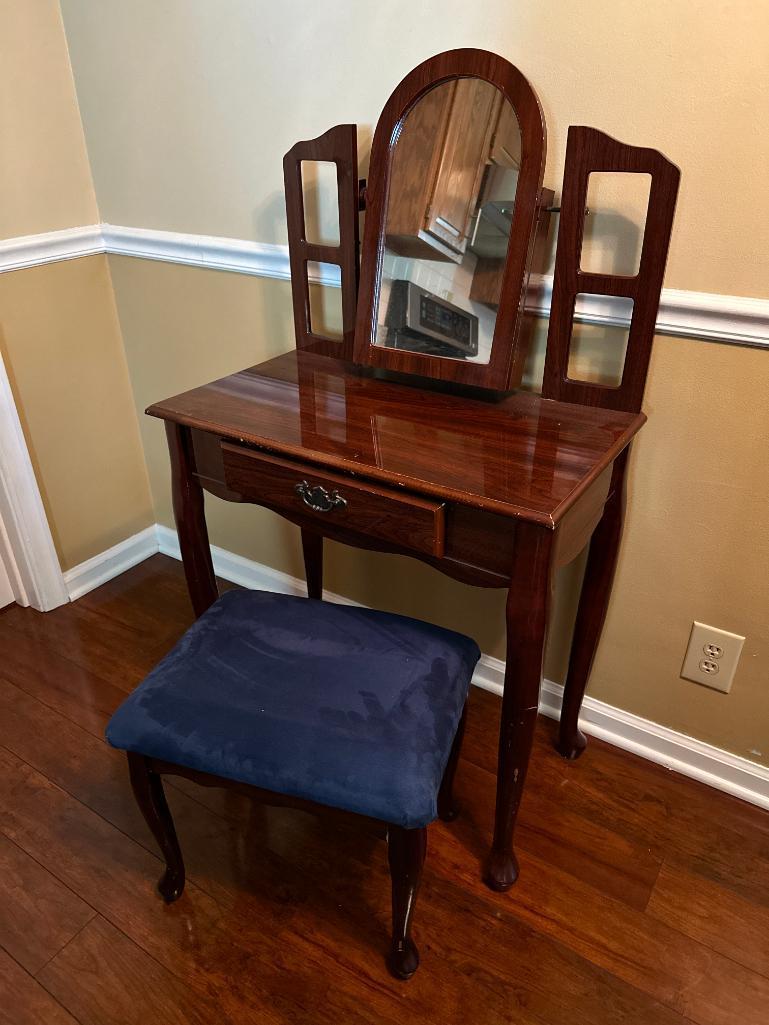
(45, 178)
(62, 349)
(190, 105)
(696, 544)
(59, 335)
(188, 108)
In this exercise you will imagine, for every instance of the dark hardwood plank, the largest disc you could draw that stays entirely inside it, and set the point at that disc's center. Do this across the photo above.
(305, 849)
(736, 927)
(548, 976)
(23, 1001)
(676, 819)
(687, 976)
(97, 775)
(550, 830)
(148, 598)
(339, 919)
(121, 654)
(285, 916)
(103, 978)
(107, 869)
(224, 956)
(38, 915)
(40, 671)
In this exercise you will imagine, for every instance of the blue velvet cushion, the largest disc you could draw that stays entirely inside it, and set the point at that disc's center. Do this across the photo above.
(344, 706)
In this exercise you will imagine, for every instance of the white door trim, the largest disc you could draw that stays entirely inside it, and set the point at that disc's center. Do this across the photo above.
(26, 545)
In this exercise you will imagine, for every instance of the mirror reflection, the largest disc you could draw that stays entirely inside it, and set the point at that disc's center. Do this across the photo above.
(452, 186)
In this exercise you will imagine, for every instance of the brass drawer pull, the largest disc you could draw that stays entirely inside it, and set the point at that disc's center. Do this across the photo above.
(316, 497)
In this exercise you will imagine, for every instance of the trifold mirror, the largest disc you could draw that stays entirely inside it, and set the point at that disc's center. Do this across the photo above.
(449, 282)
(454, 204)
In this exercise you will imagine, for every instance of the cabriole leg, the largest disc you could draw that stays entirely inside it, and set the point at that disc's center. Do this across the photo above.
(190, 517)
(591, 612)
(527, 610)
(148, 790)
(406, 849)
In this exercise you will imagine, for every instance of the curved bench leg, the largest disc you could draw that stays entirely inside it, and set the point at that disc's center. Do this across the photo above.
(406, 849)
(447, 807)
(148, 791)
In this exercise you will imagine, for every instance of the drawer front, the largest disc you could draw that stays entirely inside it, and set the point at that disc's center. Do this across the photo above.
(293, 487)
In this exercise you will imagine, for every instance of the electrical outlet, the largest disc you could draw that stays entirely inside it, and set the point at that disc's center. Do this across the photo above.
(712, 657)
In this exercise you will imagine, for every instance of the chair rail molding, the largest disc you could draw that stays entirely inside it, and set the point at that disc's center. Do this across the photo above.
(731, 319)
(50, 247)
(26, 545)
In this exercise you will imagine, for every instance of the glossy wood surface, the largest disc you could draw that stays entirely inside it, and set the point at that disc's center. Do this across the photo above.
(499, 373)
(189, 514)
(526, 618)
(406, 851)
(522, 456)
(555, 457)
(591, 612)
(312, 554)
(410, 521)
(642, 895)
(339, 146)
(589, 150)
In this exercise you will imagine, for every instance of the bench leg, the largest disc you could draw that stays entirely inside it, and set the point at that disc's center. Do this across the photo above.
(447, 807)
(148, 791)
(406, 850)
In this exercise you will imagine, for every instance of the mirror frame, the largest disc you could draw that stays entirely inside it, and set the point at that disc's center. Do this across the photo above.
(503, 371)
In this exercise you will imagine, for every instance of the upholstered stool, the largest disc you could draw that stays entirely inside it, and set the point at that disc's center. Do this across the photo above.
(329, 704)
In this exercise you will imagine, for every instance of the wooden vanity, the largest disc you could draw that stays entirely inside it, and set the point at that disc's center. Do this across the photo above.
(406, 435)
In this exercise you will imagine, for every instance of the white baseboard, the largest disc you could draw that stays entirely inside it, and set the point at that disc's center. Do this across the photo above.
(737, 320)
(111, 563)
(694, 758)
(721, 769)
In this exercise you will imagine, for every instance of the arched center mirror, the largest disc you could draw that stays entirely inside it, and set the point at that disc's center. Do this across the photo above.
(454, 207)
(453, 178)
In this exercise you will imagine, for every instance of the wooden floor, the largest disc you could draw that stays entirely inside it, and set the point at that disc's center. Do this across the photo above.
(643, 896)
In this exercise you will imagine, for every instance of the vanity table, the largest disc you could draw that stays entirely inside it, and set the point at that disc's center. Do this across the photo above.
(406, 433)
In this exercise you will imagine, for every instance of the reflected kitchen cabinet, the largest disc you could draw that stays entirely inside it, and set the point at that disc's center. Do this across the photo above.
(506, 140)
(446, 143)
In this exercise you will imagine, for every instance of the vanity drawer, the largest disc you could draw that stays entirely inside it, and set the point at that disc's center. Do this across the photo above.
(404, 519)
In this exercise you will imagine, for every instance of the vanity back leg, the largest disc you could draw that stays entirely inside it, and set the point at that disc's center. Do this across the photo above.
(406, 849)
(312, 550)
(591, 612)
(447, 808)
(190, 518)
(148, 790)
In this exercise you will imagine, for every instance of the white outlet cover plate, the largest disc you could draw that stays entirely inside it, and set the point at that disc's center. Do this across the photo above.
(701, 666)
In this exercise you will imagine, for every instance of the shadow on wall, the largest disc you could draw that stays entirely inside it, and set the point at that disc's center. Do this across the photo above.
(409, 587)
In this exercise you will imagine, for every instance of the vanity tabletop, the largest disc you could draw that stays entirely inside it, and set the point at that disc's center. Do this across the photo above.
(520, 456)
